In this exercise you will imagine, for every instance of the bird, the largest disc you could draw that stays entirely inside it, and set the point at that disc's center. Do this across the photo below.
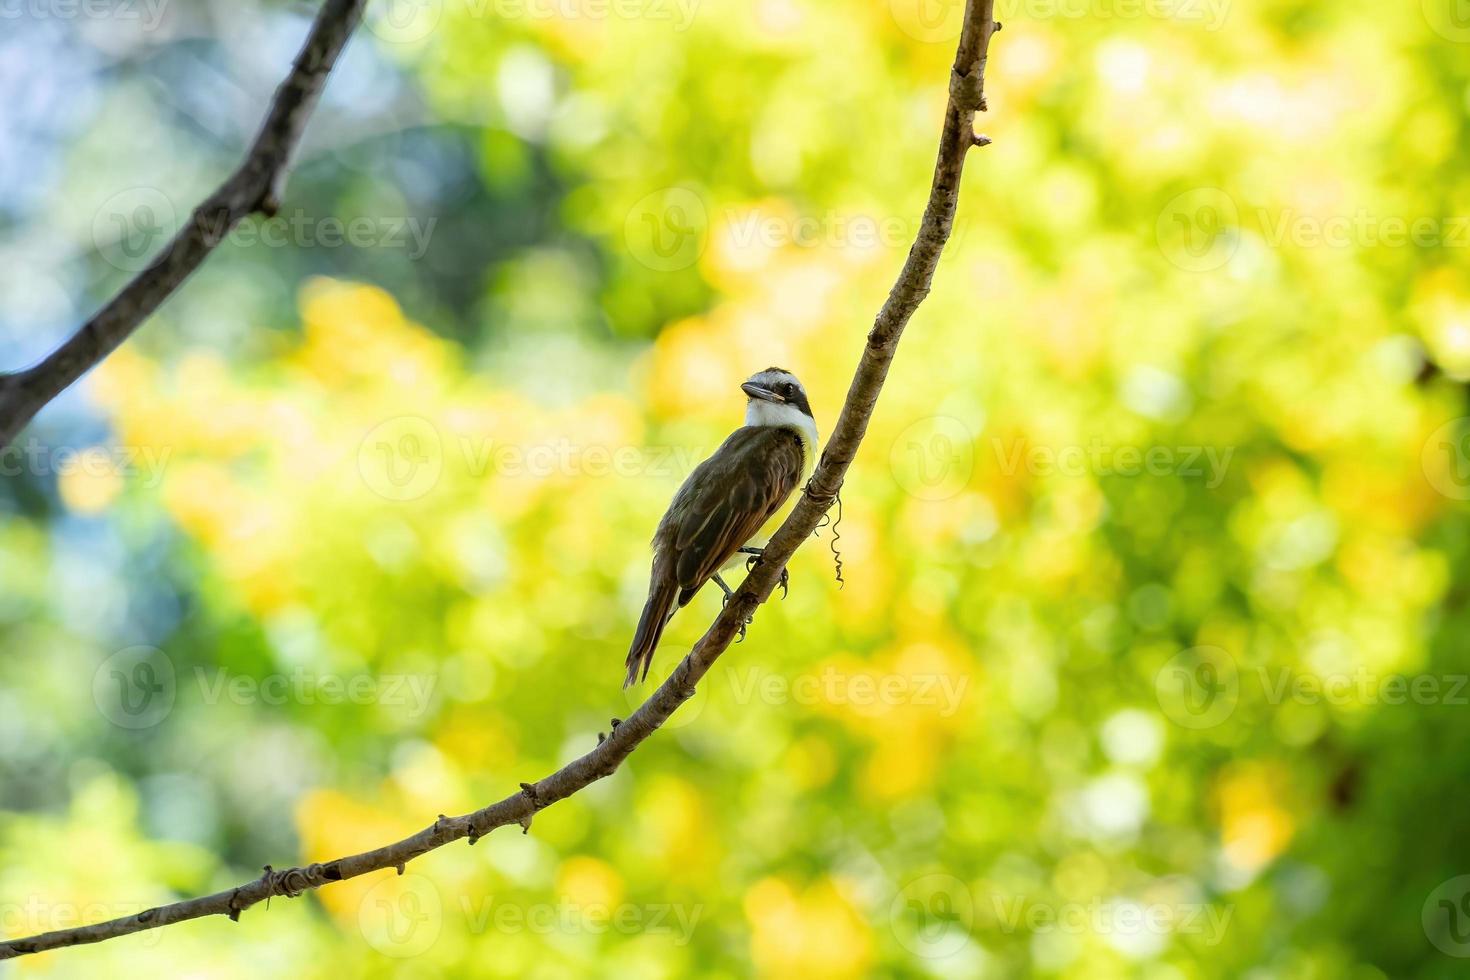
(719, 515)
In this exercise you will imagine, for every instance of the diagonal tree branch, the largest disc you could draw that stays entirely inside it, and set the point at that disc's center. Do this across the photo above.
(257, 185)
(966, 96)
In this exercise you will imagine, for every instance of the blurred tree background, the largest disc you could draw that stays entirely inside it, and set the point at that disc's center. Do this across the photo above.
(1151, 657)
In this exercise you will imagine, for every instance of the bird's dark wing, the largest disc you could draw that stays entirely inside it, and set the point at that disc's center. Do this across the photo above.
(726, 500)
(723, 503)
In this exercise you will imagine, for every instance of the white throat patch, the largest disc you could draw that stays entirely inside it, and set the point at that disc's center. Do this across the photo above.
(758, 412)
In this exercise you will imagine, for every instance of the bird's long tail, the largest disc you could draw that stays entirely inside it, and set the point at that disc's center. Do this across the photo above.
(656, 614)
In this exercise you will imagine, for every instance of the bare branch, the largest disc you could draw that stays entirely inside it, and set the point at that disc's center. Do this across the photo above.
(965, 99)
(256, 186)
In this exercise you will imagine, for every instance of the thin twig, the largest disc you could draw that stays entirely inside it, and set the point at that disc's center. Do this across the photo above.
(256, 186)
(966, 95)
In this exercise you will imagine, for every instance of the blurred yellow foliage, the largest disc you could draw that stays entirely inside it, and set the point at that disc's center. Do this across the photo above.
(807, 932)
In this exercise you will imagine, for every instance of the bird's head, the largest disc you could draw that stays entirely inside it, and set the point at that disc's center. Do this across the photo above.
(776, 392)
(775, 397)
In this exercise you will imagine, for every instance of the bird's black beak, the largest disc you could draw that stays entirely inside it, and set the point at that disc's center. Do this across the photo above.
(764, 394)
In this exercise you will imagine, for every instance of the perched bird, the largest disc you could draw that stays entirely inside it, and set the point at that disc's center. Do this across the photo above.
(718, 515)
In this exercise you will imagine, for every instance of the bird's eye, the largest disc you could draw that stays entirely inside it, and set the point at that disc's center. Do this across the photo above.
(788, 389)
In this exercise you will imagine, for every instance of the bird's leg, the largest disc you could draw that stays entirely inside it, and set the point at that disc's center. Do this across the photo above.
(723, 588)
(729, 593)
(754, 559)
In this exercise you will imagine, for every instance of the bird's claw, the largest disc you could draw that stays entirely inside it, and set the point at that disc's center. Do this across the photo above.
(784, 581)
